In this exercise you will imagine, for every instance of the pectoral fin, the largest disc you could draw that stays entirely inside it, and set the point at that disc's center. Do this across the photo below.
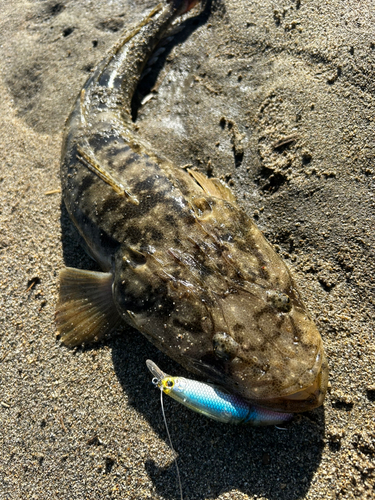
(85, 311)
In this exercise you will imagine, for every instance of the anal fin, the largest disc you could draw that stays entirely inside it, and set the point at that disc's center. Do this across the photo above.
(85, 311)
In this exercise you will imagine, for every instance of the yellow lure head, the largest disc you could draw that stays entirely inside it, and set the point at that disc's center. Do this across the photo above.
(166, 384)
(163, 381)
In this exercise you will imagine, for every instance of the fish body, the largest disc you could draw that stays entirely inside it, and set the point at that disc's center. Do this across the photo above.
(213, 401)
(181, 261)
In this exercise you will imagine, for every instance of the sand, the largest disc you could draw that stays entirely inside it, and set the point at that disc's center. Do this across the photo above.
(278, 97)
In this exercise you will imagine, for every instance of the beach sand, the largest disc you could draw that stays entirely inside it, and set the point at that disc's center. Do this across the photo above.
(278, 97)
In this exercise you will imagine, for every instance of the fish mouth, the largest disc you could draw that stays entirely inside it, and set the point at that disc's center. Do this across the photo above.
(297, 398)
(306, 399)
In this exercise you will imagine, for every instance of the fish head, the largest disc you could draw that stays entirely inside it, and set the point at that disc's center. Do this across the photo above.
(227, 309)
(267, 349)
(265, 345)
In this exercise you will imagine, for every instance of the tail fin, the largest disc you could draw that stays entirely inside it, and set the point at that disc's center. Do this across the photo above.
(183, 6)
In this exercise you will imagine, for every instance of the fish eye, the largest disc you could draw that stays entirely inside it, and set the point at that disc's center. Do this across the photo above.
(225, 347)
(280, 301)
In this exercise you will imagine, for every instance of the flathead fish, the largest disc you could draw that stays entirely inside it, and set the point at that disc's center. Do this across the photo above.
(181, 261)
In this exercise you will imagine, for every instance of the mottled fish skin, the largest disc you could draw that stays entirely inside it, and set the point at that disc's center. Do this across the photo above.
(183, 263)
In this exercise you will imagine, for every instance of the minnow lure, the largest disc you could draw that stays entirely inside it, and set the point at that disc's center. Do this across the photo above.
(181, 261)
(214, 401)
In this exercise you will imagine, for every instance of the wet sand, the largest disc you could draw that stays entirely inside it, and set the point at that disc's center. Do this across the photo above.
(278, 98)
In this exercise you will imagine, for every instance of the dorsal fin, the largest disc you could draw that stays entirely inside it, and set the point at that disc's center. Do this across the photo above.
(213, 187)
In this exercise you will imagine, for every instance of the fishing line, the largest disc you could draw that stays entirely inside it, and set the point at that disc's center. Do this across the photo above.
(171, 445)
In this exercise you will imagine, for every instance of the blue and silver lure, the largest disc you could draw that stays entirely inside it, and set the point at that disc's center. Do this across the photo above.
(214, 401)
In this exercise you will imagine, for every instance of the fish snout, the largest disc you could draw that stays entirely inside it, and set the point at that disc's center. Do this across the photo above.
(309, 397)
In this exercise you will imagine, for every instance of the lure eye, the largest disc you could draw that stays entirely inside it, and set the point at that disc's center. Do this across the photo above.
(169, 383)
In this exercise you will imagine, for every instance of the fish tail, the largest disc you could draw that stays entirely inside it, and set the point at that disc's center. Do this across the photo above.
(115, 80)
(183, 6)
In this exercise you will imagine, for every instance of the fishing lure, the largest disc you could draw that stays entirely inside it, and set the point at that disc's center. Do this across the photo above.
(214, 401)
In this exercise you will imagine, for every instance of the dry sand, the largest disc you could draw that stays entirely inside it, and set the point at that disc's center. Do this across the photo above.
(278, 96)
